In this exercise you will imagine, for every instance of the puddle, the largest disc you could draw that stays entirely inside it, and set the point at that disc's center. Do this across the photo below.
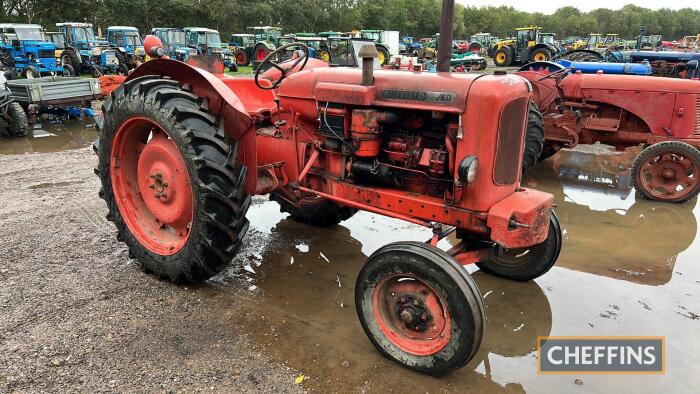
(628, 267)
(51, 137)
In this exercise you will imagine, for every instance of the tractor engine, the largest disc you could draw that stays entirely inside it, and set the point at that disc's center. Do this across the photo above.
(391, 147)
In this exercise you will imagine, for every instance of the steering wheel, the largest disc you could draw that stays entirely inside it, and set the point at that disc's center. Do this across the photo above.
(284, 70)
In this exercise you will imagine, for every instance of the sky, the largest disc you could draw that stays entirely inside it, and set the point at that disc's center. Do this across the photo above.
(549, 6)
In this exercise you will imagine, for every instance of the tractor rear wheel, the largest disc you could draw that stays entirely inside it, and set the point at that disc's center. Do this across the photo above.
(313, 210)
(260, 52)
(170, 180)
(667, 171)
(525, 264)
(68, 70)
(534, 138)
(241, 57)
(503, 57)
(384, 56)
(19, 124)
(70, 57)
(419, 307)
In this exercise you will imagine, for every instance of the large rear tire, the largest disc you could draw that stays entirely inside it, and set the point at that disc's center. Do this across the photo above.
(316, 211)
(241, 57)
(419, 307)
(170, 180)
(534, 138)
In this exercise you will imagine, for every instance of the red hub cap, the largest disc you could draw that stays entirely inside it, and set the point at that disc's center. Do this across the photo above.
(151, 186)
(669, 175)
(262, 54)
(411, 315)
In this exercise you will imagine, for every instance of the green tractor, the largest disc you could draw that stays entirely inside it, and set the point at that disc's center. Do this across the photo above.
(524, 48)
(385, 41)
(265, 38)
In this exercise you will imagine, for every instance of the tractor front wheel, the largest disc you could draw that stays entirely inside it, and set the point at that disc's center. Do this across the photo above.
(313, 210)
(503, 57)
(384, 56)
(68, 70)
(667, 171)
(170, 180)
(540, 55)
(525, 264)
(534, 138)
(419, 307)
(31, 72)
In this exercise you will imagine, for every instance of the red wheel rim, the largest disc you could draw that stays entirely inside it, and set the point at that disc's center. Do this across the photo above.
(262, 54)
(669, 175)
(240, 58)
(412, 315)
(151, 185)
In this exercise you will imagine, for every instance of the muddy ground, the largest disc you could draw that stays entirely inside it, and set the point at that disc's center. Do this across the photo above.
(77, 315)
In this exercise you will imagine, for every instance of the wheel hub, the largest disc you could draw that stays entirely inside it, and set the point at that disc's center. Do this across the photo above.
(413, 313)
(152, 187)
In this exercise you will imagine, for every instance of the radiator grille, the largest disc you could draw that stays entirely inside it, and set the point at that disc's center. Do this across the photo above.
(697, 115)
(47, 54)
(510, 139)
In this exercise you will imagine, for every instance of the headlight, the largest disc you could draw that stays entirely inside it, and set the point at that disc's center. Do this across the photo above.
(467, 169)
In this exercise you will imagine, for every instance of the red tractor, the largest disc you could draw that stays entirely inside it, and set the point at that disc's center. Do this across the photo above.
(663, 114)
(181, 151)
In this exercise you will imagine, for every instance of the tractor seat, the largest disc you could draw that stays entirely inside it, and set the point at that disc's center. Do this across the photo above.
(255, 100)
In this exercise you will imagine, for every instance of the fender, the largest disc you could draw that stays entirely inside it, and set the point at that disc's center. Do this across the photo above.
(222, 102)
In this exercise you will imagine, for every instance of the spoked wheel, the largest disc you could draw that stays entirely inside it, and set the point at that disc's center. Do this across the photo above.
(170, 180)
(668, 171)
(419, 307)
(524, 264)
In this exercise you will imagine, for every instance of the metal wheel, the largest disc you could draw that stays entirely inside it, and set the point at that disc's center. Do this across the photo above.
(668, 171)
(419, 307)
(152, 186)
(525, 264)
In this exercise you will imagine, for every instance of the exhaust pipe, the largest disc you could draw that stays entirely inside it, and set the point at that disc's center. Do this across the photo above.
(446, 34)
(368, 53)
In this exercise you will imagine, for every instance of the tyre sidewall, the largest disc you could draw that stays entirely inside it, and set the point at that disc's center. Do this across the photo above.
(453, 281)
(122, 108)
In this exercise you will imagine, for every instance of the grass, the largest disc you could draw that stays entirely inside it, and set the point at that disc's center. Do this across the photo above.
(242, 70)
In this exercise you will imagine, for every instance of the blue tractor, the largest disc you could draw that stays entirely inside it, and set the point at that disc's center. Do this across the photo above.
(409, 46)
(129, 45)
(87, 53)
(208, 42)
(24, 51)
(174, 42)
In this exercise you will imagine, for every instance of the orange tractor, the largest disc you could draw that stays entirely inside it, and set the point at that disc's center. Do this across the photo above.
(182, 150)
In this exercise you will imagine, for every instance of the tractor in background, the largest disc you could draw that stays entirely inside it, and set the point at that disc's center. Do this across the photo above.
(318, 46)
(242, 47)
(207, 42)
(625, 111)
(386, 42)
(409, 46)
(23, 49)
(181, 151)
(59, 40)
(524, 48)
(129, 45)
(174, 42)
(86, 53)
(483, 44)
(265, 41)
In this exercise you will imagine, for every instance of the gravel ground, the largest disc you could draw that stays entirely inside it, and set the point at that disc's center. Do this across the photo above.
(77, 315)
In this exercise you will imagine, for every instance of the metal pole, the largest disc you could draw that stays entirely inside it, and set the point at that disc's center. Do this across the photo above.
(446, 33)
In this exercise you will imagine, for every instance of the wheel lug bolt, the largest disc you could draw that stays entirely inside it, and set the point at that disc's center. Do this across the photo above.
(164, 195)
(406, 316)
(423, 318)
(151, 186)
(157, 195)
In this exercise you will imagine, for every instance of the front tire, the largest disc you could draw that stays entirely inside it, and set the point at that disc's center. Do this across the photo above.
(667, 171)
(19, 123)
(170, 180)
(419, 307)
(384, 56)
(534, 138)
(31, 72)
(503, 57)
(527, 263)
(68, 70)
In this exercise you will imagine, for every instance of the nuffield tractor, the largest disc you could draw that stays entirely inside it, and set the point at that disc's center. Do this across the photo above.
(182, 150)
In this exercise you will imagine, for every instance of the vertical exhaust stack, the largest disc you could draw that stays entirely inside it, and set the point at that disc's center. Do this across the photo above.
(368, 53)
(446, 33)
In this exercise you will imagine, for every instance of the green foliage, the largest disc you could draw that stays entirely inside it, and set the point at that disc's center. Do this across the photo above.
(419, 18)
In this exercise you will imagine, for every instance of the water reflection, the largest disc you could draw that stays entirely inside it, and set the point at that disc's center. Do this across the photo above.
(52, 135)
(608, 230)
